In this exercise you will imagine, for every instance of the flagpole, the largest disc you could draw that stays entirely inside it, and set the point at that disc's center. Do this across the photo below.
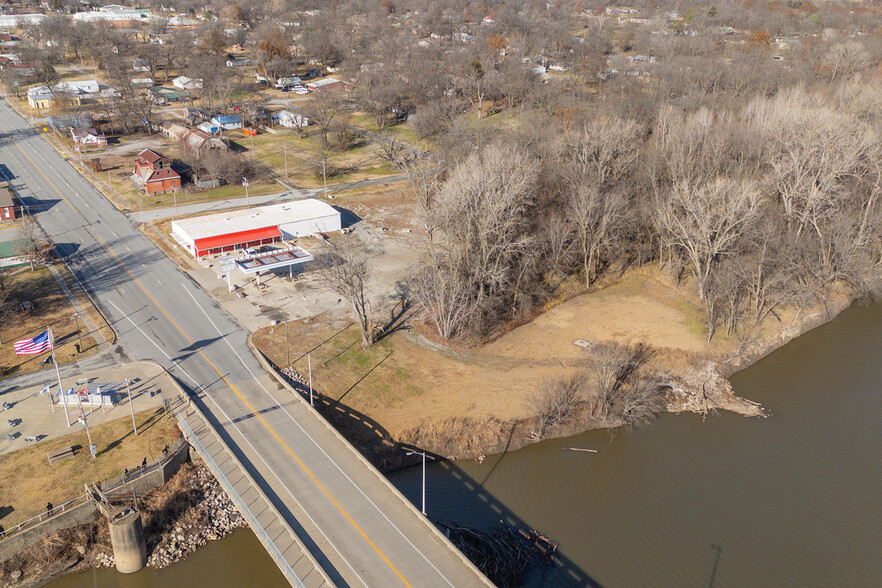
(58, 373)
(48, 390)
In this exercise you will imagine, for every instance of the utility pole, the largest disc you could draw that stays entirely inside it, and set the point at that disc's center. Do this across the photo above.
(287, 353)
(309, 364)
(141, 209)
(423, 453)
(245, 183)
(85, 423)
(131, 406)
(110, 181)
(325, 176)
(285, 149)
(175, 192)
(252, 145)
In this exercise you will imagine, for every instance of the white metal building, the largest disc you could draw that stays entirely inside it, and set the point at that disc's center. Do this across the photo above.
(262, 225)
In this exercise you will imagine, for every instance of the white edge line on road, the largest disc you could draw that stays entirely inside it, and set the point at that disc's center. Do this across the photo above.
(236, 426)
(320, 448)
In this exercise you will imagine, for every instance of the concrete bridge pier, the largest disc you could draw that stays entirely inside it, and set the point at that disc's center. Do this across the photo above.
(127, 538)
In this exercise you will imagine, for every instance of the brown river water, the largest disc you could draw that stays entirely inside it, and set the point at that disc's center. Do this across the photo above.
(792, 500)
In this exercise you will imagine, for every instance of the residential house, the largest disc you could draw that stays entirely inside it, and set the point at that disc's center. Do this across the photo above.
(7, 202)
(154, 174)
(238, 62)
(194, 139)
(185, 83)
(75, 91)
(86, 136)
(290, 120)
(208, 127)
(228, 122)
(62, 122)
(163, 95)
(327, 85)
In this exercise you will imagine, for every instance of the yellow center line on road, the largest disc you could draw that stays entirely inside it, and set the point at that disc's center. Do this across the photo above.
(223, 377)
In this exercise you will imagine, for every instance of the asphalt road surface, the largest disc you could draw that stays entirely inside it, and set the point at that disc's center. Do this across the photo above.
(355, 527)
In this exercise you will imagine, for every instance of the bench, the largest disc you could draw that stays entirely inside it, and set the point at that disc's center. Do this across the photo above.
(60, 455)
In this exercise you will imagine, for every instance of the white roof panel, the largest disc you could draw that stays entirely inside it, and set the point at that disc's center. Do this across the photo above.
(260, 217)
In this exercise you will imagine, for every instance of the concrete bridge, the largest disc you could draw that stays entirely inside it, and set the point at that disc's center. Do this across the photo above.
(327, 517)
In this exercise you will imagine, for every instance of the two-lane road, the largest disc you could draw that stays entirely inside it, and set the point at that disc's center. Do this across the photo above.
(360, 532)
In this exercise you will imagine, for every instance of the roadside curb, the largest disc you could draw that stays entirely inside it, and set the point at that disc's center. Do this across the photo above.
(426, 521)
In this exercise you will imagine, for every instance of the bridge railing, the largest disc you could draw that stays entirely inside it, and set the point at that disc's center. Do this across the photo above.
(258, 529)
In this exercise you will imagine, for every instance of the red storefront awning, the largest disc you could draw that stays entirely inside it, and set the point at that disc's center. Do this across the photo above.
(238, 238)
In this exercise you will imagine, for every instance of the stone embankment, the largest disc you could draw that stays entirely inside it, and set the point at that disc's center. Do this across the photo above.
(209, 515)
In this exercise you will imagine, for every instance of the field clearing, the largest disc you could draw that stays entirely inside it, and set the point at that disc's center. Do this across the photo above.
(404, 380)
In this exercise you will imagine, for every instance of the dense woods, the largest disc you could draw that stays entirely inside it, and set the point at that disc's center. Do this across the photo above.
(736, 145)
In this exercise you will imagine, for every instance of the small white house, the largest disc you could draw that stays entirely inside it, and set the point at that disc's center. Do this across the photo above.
(185, 83)
(88, 136)
(290, 120)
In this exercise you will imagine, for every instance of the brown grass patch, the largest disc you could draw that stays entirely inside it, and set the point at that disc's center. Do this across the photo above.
(28, 481)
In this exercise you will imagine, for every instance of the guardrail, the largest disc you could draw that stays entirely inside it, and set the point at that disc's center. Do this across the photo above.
(6, 533)
(258, 529)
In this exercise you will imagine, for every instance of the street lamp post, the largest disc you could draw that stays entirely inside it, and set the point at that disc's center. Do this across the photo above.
(423, 453)
(131, 406)
(76, 318)
(245, 183)
(175, 192)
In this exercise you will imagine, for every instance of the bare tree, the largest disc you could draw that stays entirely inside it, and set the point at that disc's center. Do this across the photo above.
(596, 216)
(347, 274)
(705, 222)
(557, 399)
(29, 242)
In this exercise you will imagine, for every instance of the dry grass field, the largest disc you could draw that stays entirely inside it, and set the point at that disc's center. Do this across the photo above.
(29, 482)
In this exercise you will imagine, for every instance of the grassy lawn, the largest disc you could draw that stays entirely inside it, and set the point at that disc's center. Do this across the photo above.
(341, 369)
(52, 309)
(28, 481)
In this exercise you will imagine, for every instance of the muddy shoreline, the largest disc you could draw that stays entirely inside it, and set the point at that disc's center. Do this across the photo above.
(702, 388)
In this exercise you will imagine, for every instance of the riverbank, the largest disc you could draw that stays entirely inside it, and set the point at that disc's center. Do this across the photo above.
(463, 403)
(190, 510)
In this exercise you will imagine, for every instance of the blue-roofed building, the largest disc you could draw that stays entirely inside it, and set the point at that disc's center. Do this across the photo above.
(228, 122)
(63, 122)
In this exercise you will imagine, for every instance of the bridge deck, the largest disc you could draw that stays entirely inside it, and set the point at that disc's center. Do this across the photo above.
(284, 547)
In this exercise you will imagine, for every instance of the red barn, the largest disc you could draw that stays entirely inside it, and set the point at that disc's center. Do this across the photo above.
(154, 173)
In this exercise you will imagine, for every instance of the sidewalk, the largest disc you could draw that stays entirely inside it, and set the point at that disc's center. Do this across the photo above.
(218, 205)
(91, 329)
(32, 415)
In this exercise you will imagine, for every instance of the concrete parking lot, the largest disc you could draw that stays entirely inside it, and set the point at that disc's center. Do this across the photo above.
(32, 416)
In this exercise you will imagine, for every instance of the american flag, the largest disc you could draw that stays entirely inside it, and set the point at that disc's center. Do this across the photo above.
(37, 344)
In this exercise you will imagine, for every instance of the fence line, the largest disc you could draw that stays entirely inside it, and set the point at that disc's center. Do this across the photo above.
(106, 486)
(43, 516)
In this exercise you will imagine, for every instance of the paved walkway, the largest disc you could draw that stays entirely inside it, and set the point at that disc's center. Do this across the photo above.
(290, 195)
(33, 416)
(91, 328)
